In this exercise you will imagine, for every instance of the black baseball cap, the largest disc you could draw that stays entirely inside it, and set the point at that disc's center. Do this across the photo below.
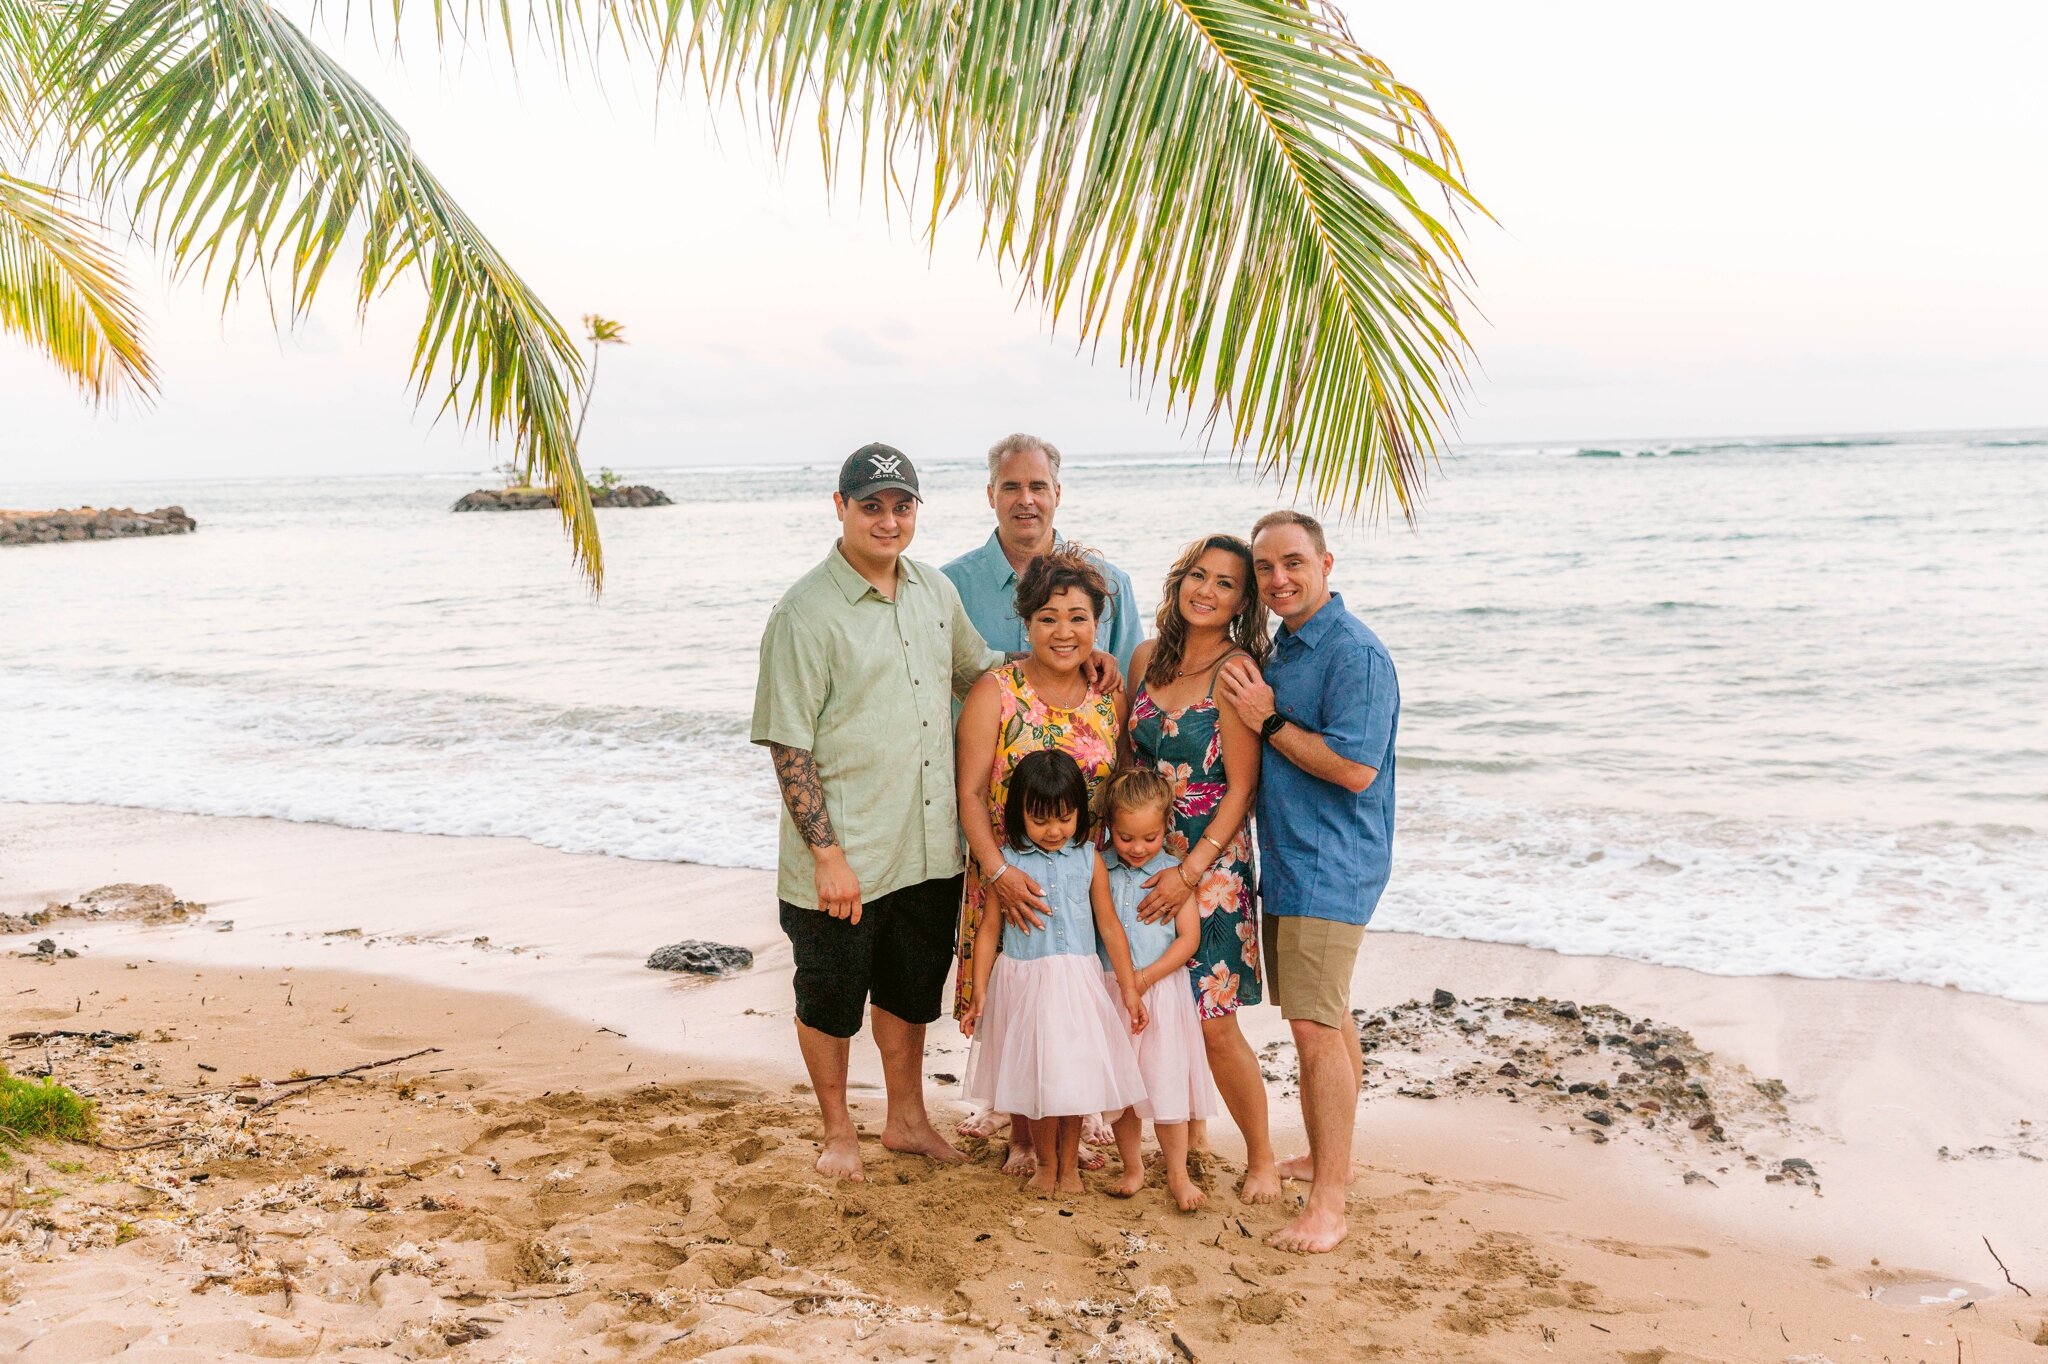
(876, 466)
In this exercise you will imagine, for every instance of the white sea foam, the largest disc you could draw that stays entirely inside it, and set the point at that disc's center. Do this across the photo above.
(1769, 708)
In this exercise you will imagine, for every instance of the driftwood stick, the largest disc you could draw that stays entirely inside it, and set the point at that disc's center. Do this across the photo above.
(2003, 1270)
(313, 1079)
(146, 1145)
(110, 1037)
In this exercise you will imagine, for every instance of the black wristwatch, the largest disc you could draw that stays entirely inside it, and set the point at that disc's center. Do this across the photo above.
(1271, 727)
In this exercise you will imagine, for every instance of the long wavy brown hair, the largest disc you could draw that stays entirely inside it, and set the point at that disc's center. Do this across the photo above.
(1247, 629)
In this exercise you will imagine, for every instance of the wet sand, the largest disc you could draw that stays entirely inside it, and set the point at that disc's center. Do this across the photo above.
(542, 1187)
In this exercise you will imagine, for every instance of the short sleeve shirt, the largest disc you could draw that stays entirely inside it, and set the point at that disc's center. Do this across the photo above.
(866, 685)
(1325, 852)
(988, 585)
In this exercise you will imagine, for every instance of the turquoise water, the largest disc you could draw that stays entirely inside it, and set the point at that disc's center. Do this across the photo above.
(1770, 706)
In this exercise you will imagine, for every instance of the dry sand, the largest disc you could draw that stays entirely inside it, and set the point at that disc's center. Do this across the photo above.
(541, 1188)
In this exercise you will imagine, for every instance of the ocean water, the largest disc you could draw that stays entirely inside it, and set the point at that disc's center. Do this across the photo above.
(1749, 707)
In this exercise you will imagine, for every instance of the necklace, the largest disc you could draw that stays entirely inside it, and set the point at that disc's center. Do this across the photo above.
(1190, 672)
(1080, 686)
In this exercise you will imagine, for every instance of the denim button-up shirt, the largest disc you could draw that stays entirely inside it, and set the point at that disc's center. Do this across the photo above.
(1065, 877)
(1126, 888)
(988, 587)
(1325, 852)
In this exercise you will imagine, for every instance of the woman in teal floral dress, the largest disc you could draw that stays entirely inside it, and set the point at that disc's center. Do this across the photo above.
(1210, 613)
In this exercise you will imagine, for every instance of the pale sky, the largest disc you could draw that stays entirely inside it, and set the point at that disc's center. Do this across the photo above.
(1758, 218)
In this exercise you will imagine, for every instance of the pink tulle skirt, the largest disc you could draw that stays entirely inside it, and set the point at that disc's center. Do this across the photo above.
(1051, 1042)
(1172, 1057)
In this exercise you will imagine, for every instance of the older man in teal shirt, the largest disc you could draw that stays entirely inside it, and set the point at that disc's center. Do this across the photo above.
(1024, 490)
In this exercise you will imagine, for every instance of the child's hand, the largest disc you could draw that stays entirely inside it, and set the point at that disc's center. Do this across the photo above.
(971, 1019)
(1134, 1005)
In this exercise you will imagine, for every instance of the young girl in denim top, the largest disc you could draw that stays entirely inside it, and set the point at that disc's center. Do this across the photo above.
(1049, 1042)
(1137, 804)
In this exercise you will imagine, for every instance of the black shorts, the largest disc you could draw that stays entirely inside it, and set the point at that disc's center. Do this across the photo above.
(897, 956)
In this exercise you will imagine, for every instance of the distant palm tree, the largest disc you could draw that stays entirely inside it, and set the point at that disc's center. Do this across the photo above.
(600, 332)
(1228, 185)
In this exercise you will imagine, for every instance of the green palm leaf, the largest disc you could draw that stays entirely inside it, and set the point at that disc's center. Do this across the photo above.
(61, 290)
(253, 156)
(1230, 186)
(1234, 188)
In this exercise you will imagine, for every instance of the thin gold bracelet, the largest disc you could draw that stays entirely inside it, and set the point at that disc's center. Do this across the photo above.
(1182, 868)
(1221, 851)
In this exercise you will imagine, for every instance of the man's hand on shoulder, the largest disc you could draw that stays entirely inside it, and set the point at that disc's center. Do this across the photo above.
(1102, 674)
(1246, 692)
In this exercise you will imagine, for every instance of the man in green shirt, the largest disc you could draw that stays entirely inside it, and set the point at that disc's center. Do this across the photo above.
(860, 663)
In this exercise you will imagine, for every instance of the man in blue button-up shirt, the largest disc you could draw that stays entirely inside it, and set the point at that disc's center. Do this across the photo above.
(1024, 490)
(1328, 708)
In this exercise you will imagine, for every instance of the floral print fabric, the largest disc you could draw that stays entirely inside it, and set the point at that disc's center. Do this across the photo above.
(1026, 724)
(1186, 746)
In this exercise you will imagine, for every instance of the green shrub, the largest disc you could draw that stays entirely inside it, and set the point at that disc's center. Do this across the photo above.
(42, 1108)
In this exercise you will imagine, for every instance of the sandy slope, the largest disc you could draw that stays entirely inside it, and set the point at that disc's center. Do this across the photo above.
(541, 1189)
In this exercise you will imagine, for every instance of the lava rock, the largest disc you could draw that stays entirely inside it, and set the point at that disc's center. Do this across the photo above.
(1566, 1010)
(701, 958)
(1443, 999)
(1798, 1167)
(1600, 1116)
(91, 523)
(540, 499)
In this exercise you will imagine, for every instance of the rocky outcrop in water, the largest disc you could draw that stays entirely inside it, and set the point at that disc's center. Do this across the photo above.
(537, 499)
(91, 523)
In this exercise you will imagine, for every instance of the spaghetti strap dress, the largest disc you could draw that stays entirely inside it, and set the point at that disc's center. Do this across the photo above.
(1186, 747)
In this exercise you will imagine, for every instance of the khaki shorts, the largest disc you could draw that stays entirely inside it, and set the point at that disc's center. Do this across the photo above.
(1308, 967)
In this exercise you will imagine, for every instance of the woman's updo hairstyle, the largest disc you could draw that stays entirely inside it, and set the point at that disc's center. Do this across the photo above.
(1048, 575)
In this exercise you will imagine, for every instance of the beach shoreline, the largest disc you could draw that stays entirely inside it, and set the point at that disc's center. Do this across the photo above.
(1911, 1105)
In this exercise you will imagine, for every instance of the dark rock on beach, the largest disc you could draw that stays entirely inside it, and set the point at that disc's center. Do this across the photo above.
(540, 499)
(701, 958)
(1443, 999)
(91, 523)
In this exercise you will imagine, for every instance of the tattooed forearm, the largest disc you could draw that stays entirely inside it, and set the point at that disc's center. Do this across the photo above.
(797, 771)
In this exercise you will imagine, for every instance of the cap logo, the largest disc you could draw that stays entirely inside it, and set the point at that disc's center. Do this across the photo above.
(886, 466)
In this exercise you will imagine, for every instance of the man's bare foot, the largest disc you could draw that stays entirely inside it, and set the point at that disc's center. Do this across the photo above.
(1021, 1162)
(1072, 1184)
(1041, 1179)
(1259, 1186)
(1187, 1195)
(984, 1124)
(1092, 1159)
(1128, 1183)
(1096, 1132)
(1296, 1167)
(1312, 1233)
(841, 1160)
(924, 1141)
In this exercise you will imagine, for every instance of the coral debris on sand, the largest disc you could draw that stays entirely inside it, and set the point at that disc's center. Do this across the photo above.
(151, 904)
(674, 1220)
(1592, 1067)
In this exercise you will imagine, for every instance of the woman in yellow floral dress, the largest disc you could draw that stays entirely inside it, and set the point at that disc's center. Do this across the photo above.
(1042, 701)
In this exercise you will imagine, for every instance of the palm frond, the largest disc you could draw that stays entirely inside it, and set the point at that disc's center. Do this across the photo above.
(62, 291)
(1233, 188)
(254, 157)
(1261, 213)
